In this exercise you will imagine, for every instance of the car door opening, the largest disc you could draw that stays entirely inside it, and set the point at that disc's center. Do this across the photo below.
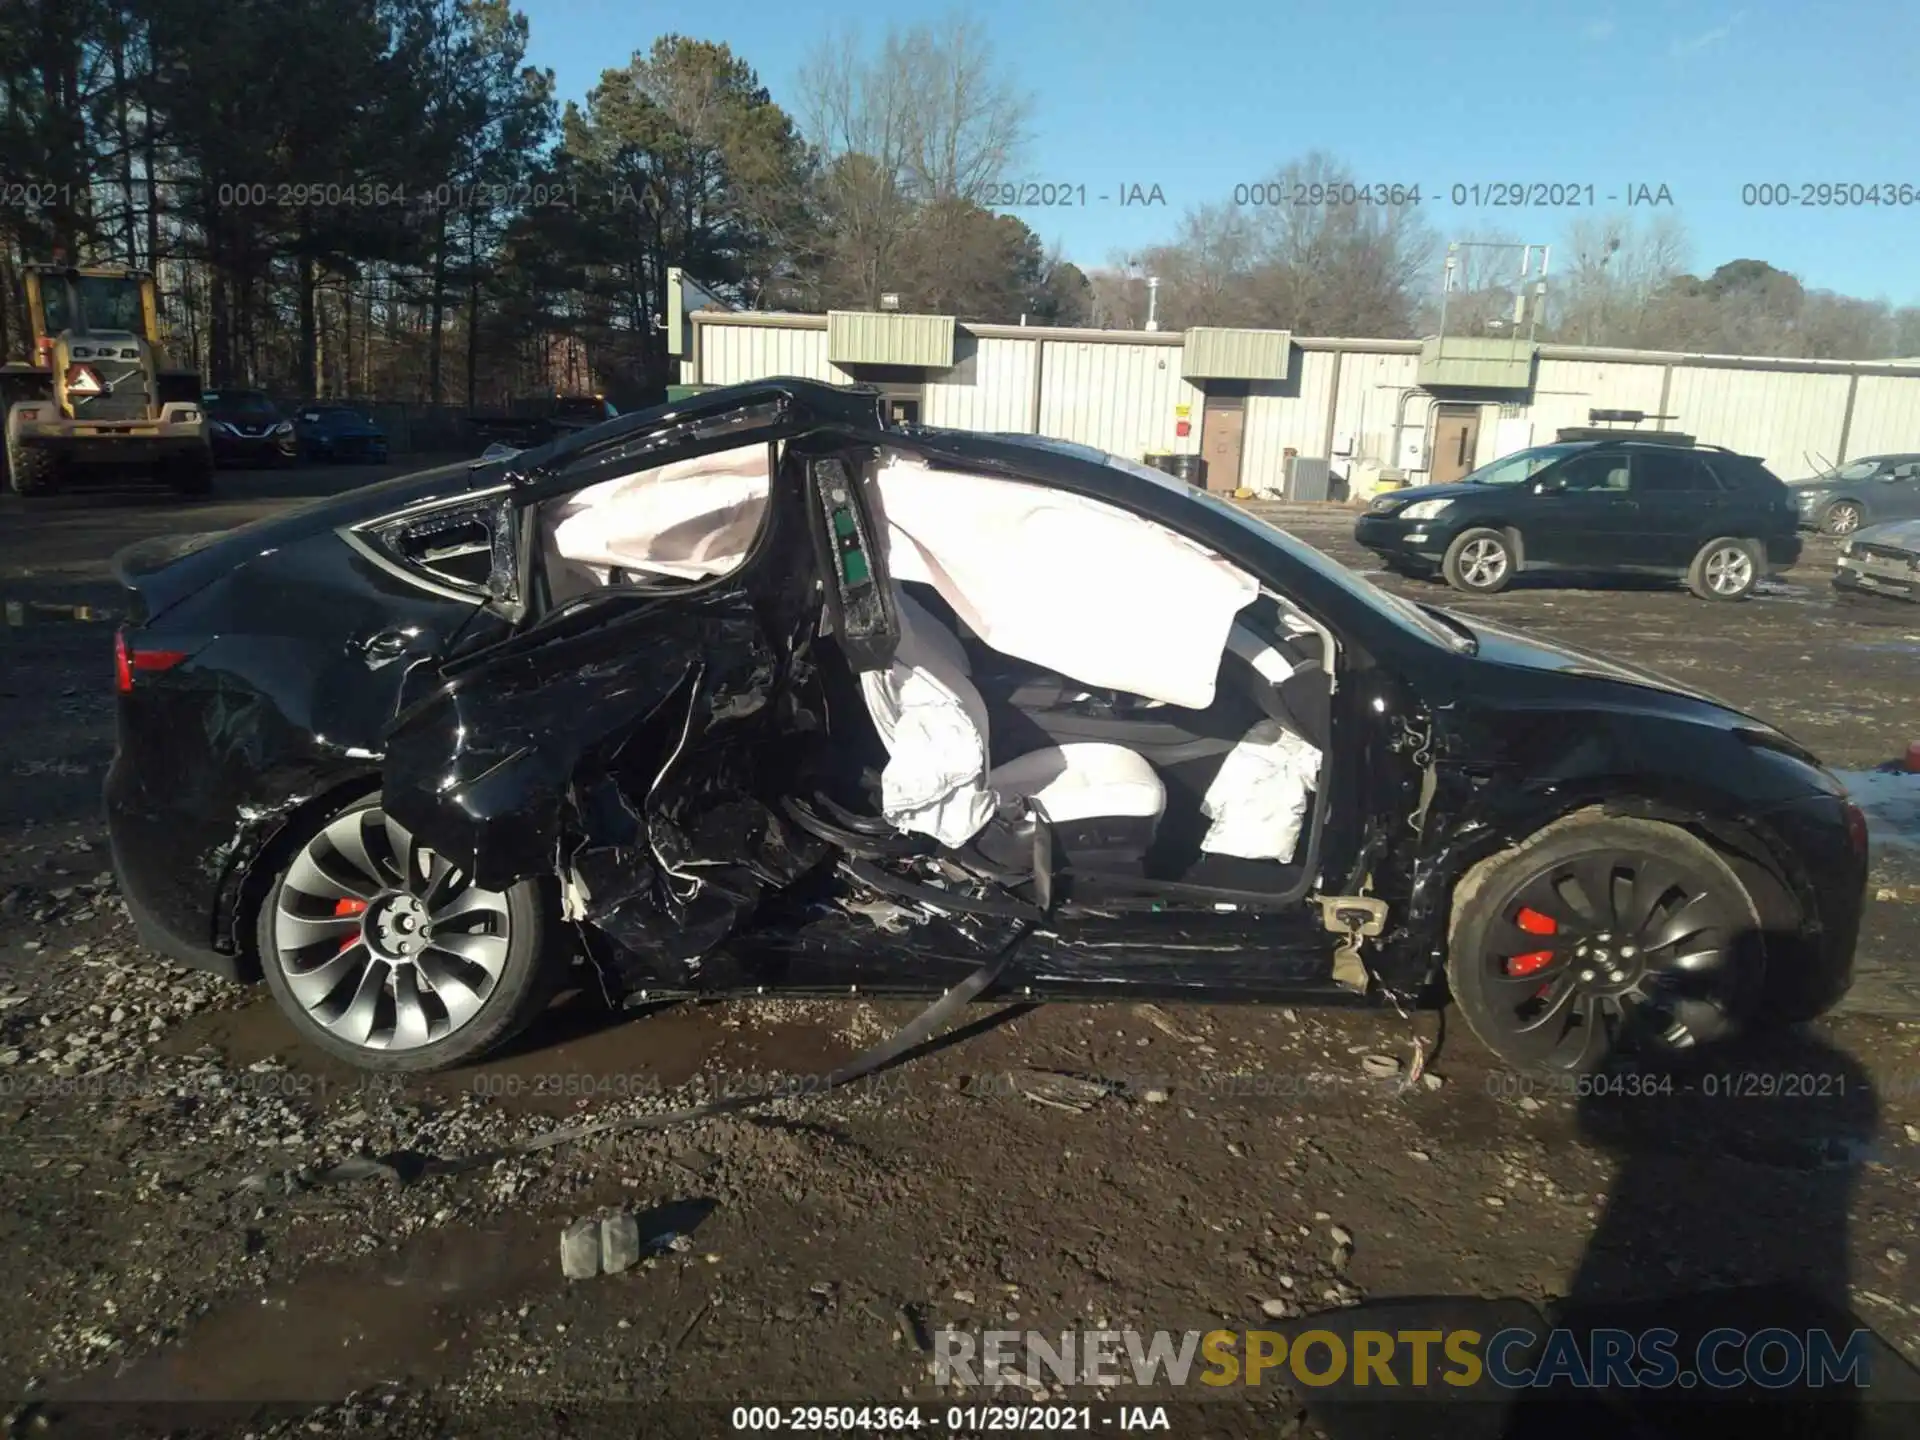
(1059, 663)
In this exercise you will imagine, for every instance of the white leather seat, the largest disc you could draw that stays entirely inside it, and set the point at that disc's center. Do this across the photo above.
(1083, 781)
(934, 725)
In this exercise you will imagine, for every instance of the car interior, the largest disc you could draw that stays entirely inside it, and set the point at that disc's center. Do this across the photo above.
(1168, 735)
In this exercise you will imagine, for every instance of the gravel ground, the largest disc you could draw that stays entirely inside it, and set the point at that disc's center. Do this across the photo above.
(203, 1210)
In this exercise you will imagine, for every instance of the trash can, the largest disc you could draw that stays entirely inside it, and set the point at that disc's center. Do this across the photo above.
(1190, 468)
(1160, 459)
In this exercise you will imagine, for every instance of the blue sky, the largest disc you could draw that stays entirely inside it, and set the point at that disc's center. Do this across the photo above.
(1701, 96)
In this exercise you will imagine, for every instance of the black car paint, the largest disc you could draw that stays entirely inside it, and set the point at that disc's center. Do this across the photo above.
(244, 427)
(595, 738)
(1586, 531)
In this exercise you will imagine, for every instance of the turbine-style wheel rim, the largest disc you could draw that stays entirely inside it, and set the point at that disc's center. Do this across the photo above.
(1614, 947)
(1843, 519)
(1483, 562)
(1729, 570)
(382, 942)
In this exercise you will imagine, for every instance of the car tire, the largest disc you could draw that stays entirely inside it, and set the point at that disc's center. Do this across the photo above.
(31, 471)
(319, 962)
(1479, 561)
(1725, 568)
(1672, 961)
(1843, 517)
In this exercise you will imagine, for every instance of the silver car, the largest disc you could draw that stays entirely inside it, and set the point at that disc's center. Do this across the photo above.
(1881, 560)
(1861, 492)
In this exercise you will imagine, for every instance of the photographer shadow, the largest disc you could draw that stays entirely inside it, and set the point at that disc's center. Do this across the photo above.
(1727, 1216)
(1726, 1225)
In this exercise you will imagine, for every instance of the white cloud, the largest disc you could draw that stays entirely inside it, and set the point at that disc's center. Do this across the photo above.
(1685, 45)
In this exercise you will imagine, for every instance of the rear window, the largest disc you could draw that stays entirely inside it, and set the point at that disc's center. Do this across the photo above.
(1743, 472)
(1670, 472)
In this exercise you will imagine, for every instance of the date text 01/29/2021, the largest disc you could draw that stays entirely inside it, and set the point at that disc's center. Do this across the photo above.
(1488, 194)
(1707, 1084)
(953, 1419)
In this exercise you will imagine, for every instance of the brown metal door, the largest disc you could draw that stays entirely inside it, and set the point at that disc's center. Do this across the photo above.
(1223, 423)
(1456, 439)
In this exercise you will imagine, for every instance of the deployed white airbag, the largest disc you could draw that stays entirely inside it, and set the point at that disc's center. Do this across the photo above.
(934, 726)
(691, 520)
(1102, 596)
(1258, 801)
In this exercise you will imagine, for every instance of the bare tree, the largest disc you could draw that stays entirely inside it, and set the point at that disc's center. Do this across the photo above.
(1205, 273)
(912, 136)
(1615, 279)
(1118, 296)
(967, 127)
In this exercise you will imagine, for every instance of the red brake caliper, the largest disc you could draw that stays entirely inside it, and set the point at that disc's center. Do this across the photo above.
(1534, 923)
(345, 907)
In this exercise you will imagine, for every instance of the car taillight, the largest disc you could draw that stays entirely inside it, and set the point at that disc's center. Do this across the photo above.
(127, 660)
(1856, 827)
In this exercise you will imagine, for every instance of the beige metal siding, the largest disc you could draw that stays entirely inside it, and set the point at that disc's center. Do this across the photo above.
(1777, 415)
(1213, 353)
(730, 354)
(1565, 390)
(1886, 418)
(1000, 395)
(1120, 398)
(1279, 417)
(1370, 389)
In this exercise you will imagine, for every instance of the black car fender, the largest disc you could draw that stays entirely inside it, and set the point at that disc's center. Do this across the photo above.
(263, 841)
(1481, 810)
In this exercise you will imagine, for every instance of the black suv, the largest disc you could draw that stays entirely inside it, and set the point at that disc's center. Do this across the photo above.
(1633, 505)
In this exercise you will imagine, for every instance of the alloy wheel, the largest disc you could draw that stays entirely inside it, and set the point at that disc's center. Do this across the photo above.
(383, 942)
(1483, 562)
(1612, 947)
(1843, 519)
(1729, 570)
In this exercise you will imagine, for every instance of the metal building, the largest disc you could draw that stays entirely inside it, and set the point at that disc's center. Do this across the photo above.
(1262, 408)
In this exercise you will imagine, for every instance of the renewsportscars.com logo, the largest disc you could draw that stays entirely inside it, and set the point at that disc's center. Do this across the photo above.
(1384, 1361)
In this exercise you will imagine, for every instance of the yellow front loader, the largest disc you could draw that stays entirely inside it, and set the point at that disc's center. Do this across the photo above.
(94, 388)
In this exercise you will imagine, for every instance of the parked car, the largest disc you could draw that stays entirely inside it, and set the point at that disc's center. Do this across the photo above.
(339, 432)
(1648, 506)
(759, 691)
(1861, 492)
(537, 419)
(1881, 560)
(245, 427)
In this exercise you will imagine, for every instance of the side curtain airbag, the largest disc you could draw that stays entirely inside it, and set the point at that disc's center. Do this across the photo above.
(1100, 595)
(692, 520)
(934, 726)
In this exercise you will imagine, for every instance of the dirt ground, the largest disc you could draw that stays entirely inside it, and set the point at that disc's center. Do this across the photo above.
(177, 1230)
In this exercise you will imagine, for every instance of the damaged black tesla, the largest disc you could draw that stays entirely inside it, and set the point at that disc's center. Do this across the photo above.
(761, 692)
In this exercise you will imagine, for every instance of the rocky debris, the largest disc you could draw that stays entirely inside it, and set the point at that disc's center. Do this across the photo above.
(1062, 1091)
(580, 1250)
(619, 1242)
